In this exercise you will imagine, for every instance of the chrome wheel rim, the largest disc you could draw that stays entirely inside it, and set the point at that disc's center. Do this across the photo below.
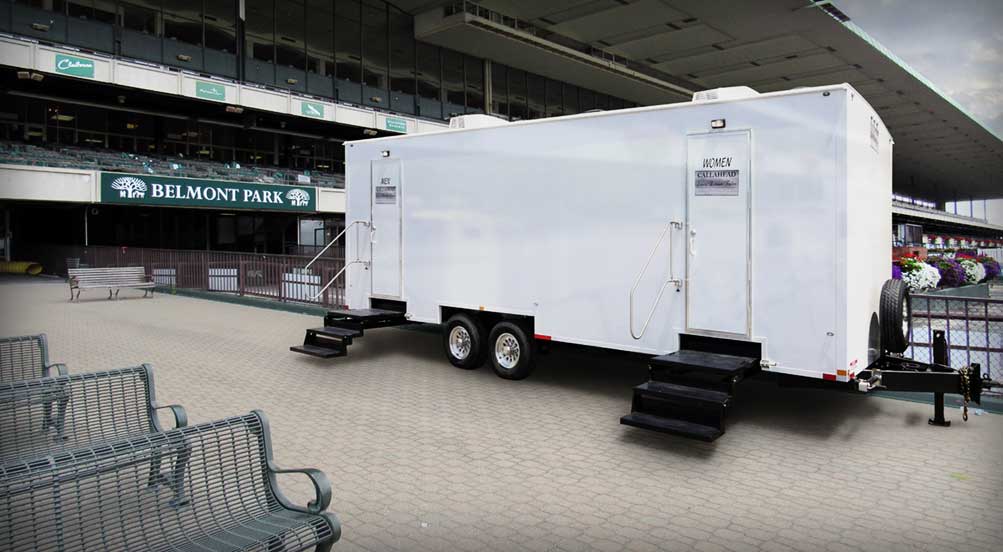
(459, 343)
(507, 351)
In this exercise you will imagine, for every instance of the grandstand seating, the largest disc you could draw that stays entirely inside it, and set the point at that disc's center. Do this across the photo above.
(16, 153)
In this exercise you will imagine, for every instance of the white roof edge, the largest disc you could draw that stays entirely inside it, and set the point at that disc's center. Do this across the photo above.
(660, 107)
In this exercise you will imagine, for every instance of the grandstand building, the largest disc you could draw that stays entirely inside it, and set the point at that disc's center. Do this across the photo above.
(218, 124)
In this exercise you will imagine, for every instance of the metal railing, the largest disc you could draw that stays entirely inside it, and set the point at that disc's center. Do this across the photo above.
(671, 280)
(281, 277)
(973, 327)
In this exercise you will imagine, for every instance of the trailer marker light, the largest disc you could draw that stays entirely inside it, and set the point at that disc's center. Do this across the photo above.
(542, 337)
(480, 307)
(718, 123)
(840, 372)
(829, 377)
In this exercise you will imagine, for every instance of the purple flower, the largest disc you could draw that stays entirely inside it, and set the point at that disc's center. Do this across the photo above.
(896, 272)
(992, 267)
(952, 274)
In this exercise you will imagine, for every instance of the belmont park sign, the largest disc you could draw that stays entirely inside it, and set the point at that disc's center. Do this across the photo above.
(146, 189)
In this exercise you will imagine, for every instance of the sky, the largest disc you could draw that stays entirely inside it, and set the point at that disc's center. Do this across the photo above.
(956, 44)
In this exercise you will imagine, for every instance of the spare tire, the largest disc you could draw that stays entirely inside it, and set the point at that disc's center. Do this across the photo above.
(895, 313)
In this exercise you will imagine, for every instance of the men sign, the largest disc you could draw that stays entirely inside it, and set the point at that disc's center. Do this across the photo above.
(142, 189)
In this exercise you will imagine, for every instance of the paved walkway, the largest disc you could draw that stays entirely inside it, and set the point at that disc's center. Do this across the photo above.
(427, 457)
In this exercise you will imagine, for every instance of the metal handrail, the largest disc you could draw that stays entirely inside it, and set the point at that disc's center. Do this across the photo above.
(672, 279)
(336, 238)
(340, 272)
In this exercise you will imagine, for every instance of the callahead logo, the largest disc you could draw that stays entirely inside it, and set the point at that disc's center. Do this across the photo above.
(129, 187)
(298, 197)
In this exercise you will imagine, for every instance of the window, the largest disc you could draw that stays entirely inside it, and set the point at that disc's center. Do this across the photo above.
(290, 31)
(402, 52)
(499, 89)
(570, 99)
(586, 99)
(320, 37)
(537, 96)
(48, 5)
(555, 102)
(374, 44)
(602, 101)
(475, 84)
(429, 78)
(260, 35)
(452, 81)
(140, 16)
(93, 10)
(517, 95)
(219, 25)
(183, 21)
(348, 40)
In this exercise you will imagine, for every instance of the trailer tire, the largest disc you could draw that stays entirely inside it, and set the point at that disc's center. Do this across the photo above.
(895, 314)
(463, 340)
(511, 351)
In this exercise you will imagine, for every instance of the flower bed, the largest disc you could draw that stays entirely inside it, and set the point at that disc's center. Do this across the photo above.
(956, 269)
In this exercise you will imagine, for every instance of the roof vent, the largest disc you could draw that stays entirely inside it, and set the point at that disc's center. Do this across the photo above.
(476, 120)
(726, 93)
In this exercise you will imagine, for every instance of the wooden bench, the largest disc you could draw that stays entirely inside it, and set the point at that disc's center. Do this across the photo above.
(110, 278)
(71, 501)
(26, 357)
(63, 413)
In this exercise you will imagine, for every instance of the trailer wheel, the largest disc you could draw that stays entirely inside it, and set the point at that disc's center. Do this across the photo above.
(463, 340)
(895, 317)
(511, 351)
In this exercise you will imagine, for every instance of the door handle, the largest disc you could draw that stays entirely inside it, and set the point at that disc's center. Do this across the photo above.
(693, 241)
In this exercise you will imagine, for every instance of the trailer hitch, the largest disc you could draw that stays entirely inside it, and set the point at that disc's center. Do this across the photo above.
(894, 372)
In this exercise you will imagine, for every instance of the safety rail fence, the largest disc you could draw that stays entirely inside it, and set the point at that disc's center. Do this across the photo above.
(973, 327)
(279, 277)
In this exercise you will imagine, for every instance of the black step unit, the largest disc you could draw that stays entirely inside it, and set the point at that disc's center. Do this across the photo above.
(673, 426)
(319, 352)
(364, 319)
(341, 326)
(689, 391)
(694, 405)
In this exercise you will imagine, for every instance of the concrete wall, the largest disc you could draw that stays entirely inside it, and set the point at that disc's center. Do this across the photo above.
(48, 184)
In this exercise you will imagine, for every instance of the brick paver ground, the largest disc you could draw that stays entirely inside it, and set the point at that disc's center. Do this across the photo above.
(424, 456)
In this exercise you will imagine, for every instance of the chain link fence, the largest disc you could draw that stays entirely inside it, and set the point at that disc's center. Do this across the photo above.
(973, 327)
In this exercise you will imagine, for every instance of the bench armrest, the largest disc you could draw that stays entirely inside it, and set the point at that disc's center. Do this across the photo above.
(180, 416)
(59, 367)
(321, 484)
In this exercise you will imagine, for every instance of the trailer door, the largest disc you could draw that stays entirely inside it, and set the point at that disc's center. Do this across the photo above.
(386, 228)
(718, 232)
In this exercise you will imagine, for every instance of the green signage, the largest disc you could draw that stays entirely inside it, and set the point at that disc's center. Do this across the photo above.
(75, 66)
(312, 109)
(148, 189)
(396, 124)
(210, 91)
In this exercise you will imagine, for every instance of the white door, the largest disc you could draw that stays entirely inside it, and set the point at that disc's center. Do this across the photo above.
(386, 228)
(718, 227)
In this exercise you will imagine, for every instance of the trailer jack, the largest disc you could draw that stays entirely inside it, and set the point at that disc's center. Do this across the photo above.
(893, 372)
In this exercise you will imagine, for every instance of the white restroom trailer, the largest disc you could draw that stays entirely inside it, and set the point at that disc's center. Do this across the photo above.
(739, 224)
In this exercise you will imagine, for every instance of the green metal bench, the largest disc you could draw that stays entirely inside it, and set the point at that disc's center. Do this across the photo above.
(63, 413)
(26, 357)
(104, 498)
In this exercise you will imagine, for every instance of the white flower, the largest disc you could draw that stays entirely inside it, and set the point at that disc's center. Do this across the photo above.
(974, 271)
(922, 278)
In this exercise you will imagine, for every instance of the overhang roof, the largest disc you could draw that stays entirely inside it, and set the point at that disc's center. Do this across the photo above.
(941, 152)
